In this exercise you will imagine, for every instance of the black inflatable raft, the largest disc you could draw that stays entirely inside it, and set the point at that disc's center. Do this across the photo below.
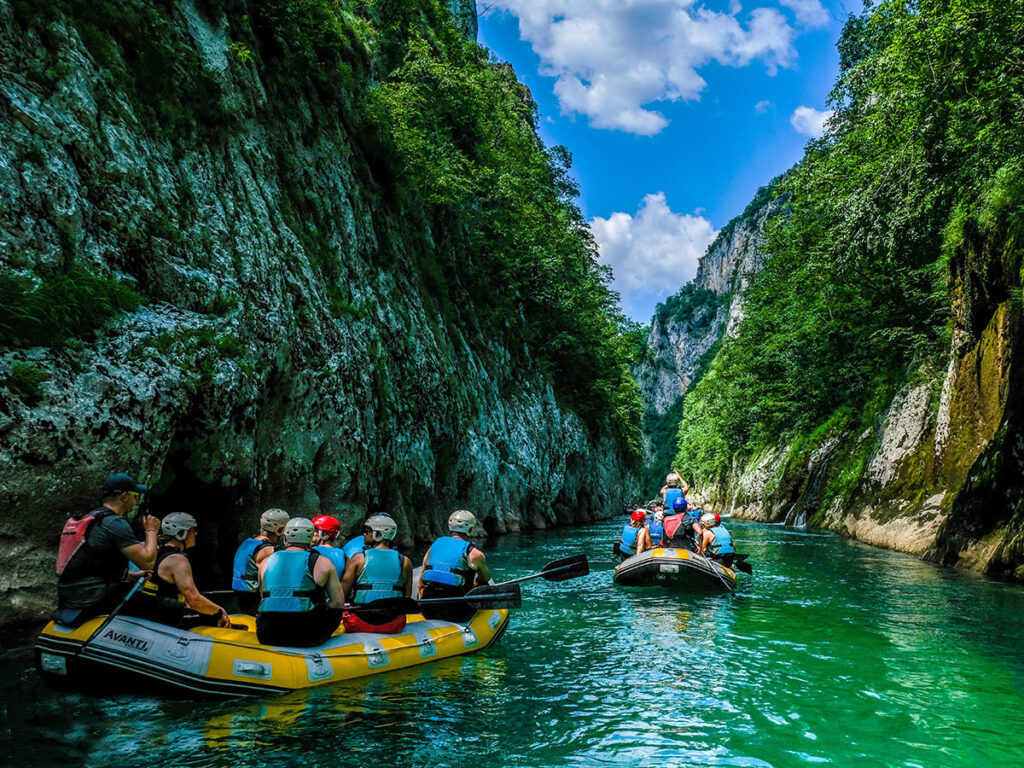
(675, 567)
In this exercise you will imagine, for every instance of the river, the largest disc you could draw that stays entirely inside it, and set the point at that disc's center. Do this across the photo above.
(831, 653)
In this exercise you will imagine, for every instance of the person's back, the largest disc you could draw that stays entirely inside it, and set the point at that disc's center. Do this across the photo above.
(300, 593)
(718, 541)
(354, 546)
(378, 573)
(452, 566)
(325, 542)
(629, 538)
(251, 553)
(656, 529)
(95, 551)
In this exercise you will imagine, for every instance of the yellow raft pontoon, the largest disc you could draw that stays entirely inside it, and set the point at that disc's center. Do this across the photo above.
(231, 662)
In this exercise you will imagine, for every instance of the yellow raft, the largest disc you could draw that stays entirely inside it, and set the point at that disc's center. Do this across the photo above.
(231, 662)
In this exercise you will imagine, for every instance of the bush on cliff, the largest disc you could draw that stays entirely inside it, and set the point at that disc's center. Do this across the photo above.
(927, 112)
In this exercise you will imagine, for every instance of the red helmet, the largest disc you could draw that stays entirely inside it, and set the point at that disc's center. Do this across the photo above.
(718, 519)
(638, 516)
(327, 524)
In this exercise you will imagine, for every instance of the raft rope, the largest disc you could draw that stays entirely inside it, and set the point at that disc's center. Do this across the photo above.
(714, 570)
(193, 637)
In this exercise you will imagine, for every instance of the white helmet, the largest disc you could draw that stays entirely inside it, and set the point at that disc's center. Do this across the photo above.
(673, 480)
(383, 526)
(273, 520)
(462, 521)
(299, 530)
(177, 525)
(707, 520)
(659, 515)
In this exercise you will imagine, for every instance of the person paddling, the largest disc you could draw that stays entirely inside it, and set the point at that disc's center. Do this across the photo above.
(95, 550)
(251, 553)
(452, 566)
(300, 595)
(378, 572)
(170, 590)
(326, 541)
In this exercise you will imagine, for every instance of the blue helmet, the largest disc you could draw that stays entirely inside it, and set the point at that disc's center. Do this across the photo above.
(679, 505)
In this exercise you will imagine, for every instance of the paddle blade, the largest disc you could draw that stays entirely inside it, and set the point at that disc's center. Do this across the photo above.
(745, 567)
(495, 596)
(569, 568)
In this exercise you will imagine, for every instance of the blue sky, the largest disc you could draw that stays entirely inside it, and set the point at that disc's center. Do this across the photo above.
(675, 113)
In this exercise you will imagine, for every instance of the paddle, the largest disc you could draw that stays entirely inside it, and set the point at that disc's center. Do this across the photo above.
(740, 564)
(113, 614)
(492, 596)
(557, 570)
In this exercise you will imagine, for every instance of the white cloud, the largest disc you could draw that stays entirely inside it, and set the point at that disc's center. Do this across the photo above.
(651, 253)
(811, 122)
(809, 13)
(611, 58)
(763, 106)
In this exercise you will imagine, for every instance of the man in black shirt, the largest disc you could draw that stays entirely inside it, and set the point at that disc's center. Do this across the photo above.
(95, 550)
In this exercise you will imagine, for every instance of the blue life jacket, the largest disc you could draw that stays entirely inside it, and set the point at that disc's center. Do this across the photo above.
(671, 494)
(722, 543)
(244, 573)
(657, 531)
(288, 584)
(381, 577)
(448, 563)
(627, 542)
(335, 555)
(354, 545)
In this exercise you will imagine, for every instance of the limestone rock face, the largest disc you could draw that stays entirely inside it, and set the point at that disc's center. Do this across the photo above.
(679, 340)
(939, 475)
(285, 354)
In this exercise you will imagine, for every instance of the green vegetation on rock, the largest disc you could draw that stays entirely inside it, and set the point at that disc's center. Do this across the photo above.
(61, 306)
(926, 137)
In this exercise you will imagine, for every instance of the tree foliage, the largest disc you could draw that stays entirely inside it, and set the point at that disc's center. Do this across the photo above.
(929, 107)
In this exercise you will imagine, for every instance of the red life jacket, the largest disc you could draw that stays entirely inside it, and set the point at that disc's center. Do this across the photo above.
(72, 538)
(671, 523)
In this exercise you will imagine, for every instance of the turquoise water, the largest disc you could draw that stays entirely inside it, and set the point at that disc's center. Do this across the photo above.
(832, 653)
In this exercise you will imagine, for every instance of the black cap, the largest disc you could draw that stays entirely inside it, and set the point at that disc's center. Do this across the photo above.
(121, 483)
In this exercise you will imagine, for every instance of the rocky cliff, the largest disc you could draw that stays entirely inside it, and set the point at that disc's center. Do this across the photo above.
(938, 472)
(251, 310)
(687, 327)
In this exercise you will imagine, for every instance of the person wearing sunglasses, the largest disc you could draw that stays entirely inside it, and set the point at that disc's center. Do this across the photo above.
(96, 547)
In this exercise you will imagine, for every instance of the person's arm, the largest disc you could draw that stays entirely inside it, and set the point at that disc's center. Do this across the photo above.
(407, 575)
(179, 570)
(144, 555)
(262, 554)
(335, 597)
(478, 562)
(348, 581)
(685, 485)
(419, 585)
(662, 492)
(643, 540)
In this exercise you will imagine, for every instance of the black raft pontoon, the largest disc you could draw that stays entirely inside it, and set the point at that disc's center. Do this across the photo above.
(675, 567)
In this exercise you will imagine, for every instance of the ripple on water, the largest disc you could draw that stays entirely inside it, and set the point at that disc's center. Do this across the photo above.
(832, 652)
